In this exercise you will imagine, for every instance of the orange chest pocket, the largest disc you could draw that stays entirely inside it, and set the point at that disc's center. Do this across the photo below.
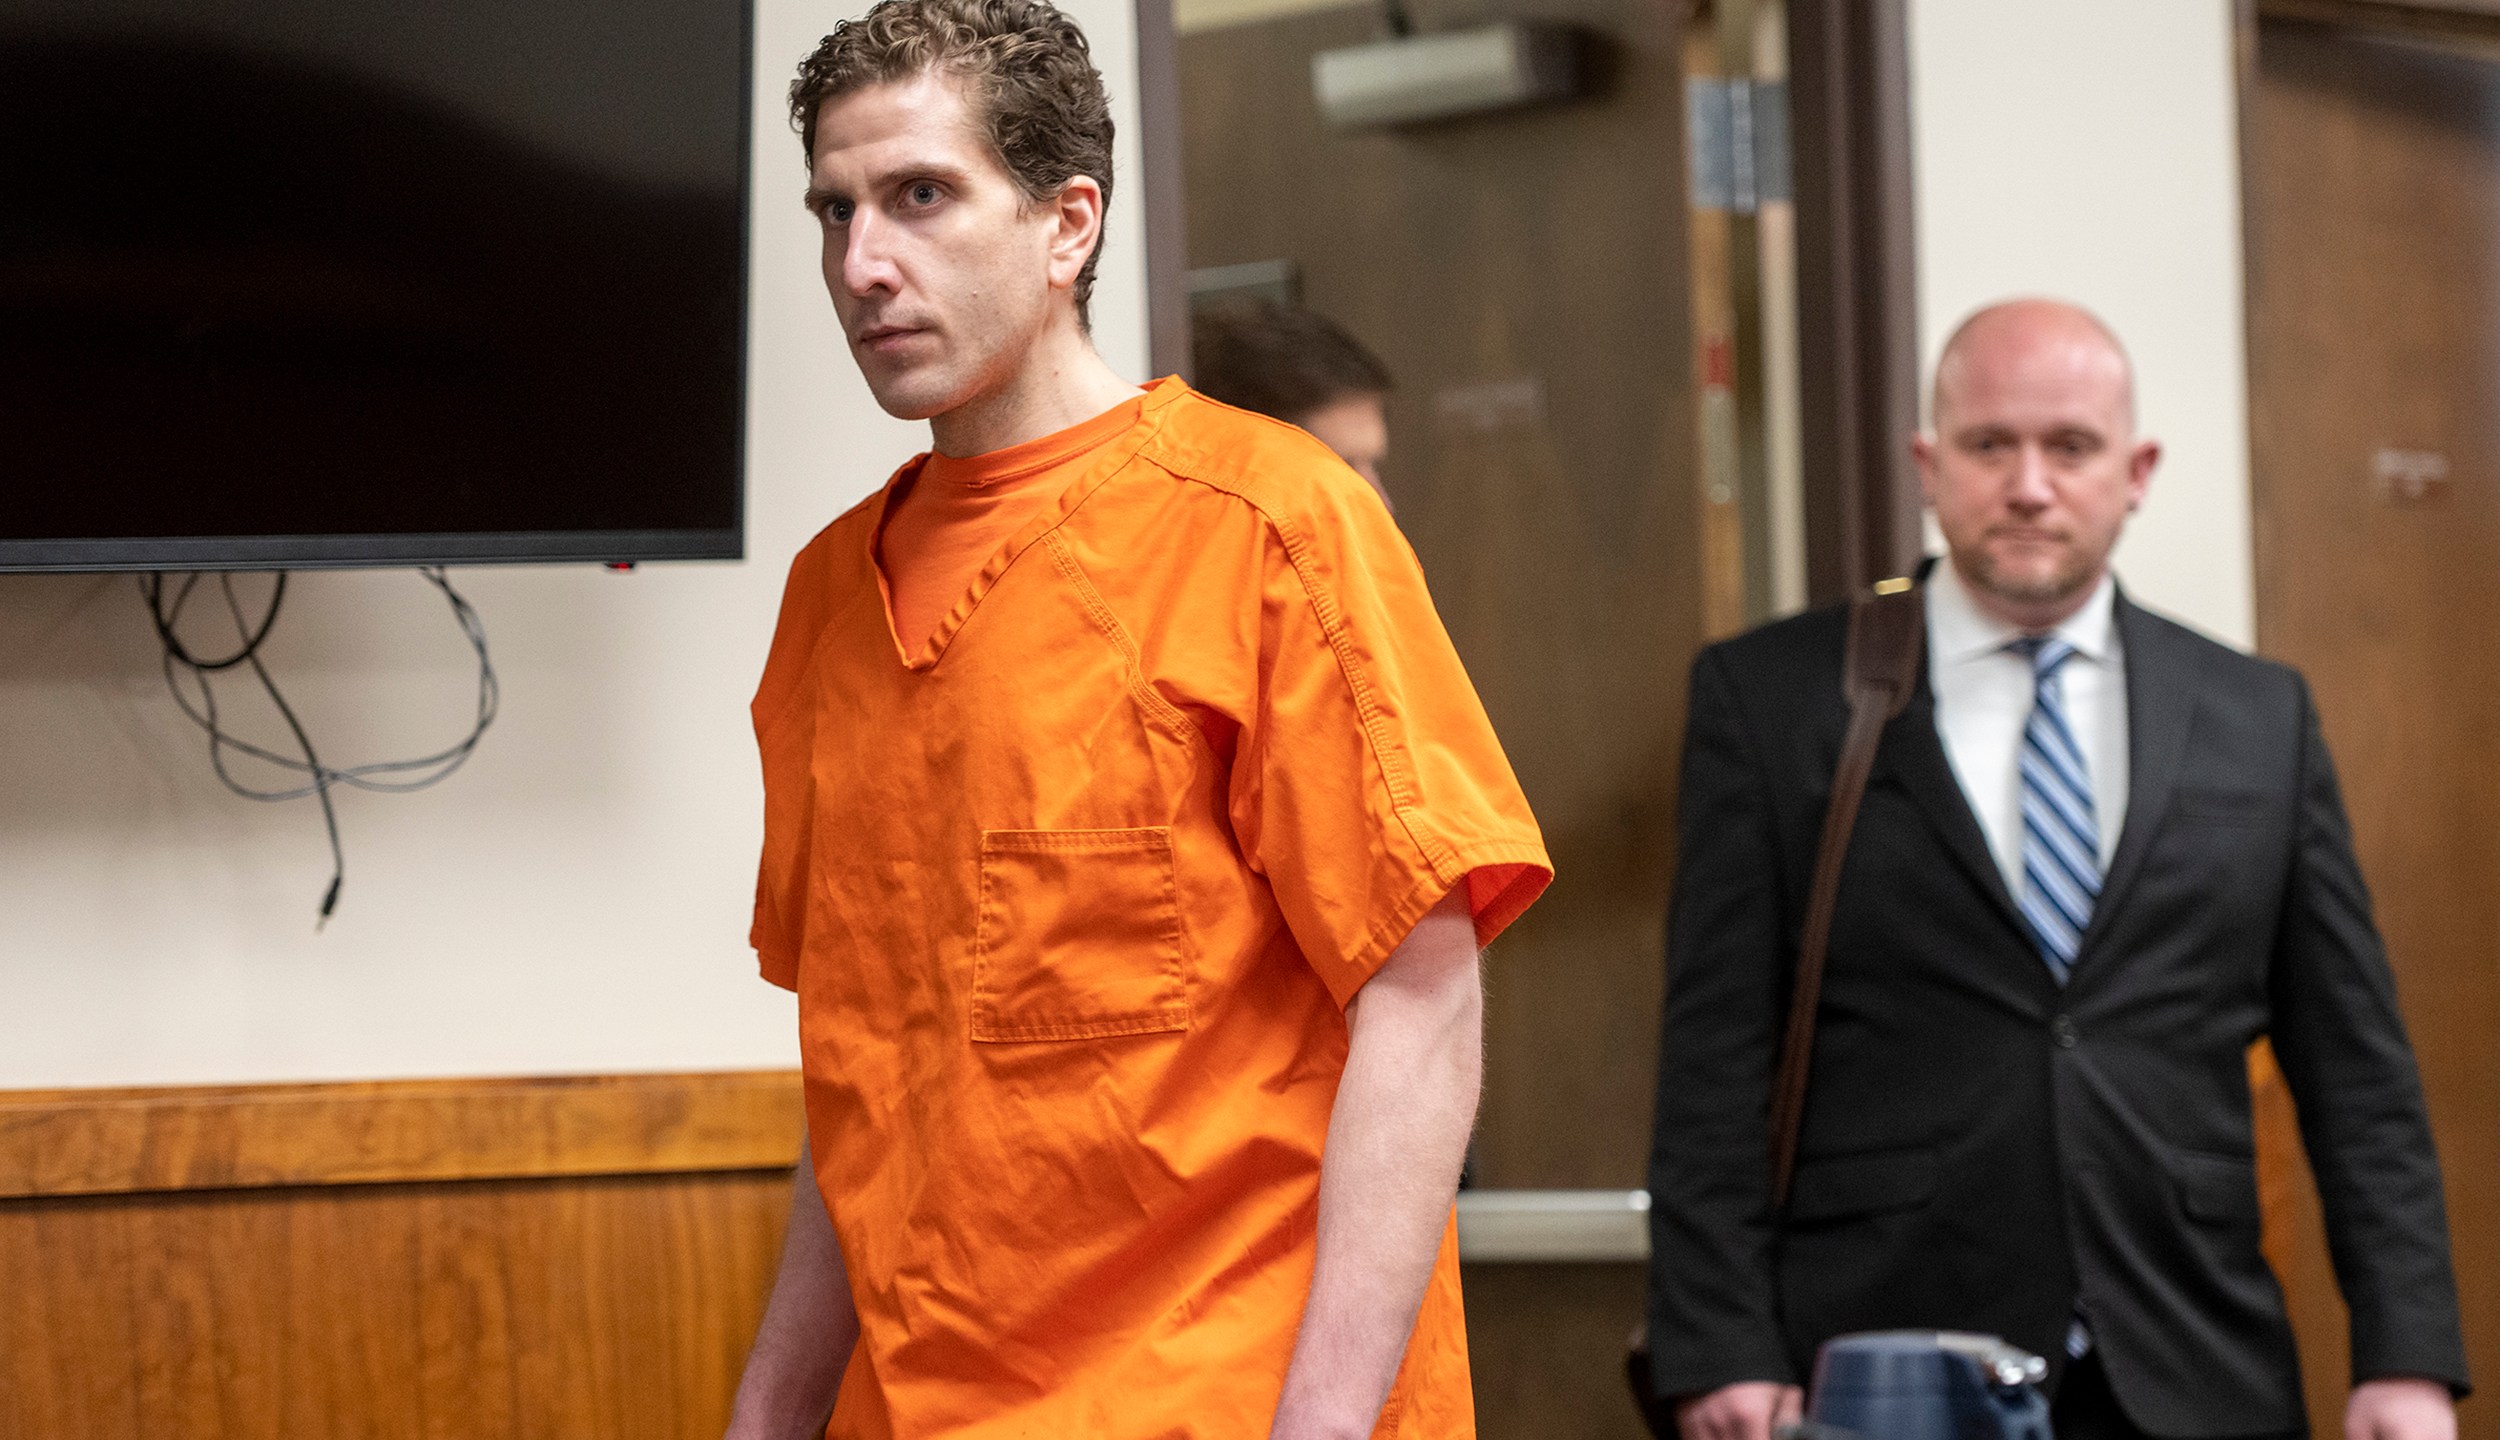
(1078, 935)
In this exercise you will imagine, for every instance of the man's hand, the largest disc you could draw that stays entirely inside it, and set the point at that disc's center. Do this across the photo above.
(2400, 1408)
(1746, 1410)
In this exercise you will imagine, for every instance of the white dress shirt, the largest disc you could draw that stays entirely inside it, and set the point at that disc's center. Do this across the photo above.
(1983, 696)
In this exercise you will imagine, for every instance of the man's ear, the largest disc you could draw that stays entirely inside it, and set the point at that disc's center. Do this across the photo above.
(2140, 463)
(1077, 215)
(1923, 455)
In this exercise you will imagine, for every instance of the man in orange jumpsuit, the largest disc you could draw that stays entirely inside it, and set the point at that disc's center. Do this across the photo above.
(1131, 830)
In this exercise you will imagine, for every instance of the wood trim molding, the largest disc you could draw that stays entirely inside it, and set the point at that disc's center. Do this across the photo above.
(105, 1142)
(1160, 183)
(2469, 18)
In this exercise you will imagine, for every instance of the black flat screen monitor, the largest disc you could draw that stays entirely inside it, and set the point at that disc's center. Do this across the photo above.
(371, 282)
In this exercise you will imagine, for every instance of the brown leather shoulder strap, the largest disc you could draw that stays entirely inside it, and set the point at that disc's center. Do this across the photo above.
(1887, 631)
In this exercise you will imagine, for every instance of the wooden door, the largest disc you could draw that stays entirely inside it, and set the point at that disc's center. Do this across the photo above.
(2374, 324)
(1524, 277)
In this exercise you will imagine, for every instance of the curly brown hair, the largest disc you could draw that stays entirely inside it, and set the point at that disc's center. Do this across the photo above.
(1032, 79)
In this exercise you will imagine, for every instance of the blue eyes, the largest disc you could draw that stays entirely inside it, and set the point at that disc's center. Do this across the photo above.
(919, 196)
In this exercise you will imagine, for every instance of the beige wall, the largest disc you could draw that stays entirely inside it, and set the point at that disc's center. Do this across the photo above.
(2091, 151)
(575, 900)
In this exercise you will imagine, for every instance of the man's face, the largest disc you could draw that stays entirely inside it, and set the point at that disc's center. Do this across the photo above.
(2034, 465)
(1357, 428)
(940, 268)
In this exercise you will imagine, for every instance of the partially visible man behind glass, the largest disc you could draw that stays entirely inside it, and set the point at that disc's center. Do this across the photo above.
(1300, 367)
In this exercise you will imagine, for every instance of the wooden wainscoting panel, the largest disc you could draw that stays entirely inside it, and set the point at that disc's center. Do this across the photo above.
(69, 1353)
(1547, 1344)
(612, 1304)
(94, 1142)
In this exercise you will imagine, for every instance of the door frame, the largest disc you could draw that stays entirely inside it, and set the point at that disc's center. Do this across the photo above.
(1857, 290)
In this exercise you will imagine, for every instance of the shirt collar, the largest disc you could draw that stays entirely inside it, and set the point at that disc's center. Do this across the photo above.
(1963, 631)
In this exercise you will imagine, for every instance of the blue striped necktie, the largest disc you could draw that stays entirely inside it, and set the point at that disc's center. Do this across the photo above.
(2061, 835)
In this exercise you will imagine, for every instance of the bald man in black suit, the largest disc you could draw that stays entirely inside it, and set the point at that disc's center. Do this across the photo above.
(2100, 855)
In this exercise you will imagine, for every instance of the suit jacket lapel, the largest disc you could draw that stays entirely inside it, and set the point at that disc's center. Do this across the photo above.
(2161, 708)
(1913, 753)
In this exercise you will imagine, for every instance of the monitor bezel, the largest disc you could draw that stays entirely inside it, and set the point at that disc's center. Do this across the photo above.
(105, 554)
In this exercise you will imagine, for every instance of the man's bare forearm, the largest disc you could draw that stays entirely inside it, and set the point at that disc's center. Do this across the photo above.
(1405, 1106)
(808, 1329)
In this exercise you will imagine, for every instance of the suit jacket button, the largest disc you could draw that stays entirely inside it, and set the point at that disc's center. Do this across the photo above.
(2062, 1030)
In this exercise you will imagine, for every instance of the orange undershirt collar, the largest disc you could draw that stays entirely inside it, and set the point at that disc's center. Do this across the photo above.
(1018, 462)
(948, 527)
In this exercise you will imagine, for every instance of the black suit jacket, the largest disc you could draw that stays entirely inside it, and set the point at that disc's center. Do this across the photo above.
(1983, 1150)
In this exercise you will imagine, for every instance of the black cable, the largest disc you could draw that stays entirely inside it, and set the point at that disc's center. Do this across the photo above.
(250, 653)
(422, 771)
(153, 586)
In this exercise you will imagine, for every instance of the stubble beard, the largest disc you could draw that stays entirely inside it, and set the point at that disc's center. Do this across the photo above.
(970, 367)
(916, 392)
(2071, 577)
(909, 397)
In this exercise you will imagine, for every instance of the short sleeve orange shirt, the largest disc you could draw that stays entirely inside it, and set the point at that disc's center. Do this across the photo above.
(1073, 891)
